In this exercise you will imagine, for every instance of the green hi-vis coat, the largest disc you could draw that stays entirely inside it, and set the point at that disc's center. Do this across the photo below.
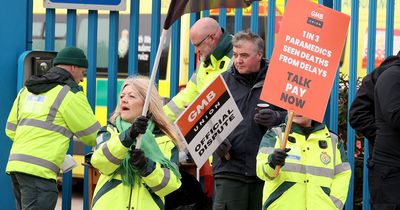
(316, 173)
(219, 61)
(147, 193)
(41, 127)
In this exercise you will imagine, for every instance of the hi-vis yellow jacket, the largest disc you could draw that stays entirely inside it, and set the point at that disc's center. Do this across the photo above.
(316, 173)
(147, 193)
(42, 125)
(219, 62)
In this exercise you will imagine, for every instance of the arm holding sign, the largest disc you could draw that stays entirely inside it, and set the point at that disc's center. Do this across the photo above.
(143, 170)
(323, 152)
(267, 147)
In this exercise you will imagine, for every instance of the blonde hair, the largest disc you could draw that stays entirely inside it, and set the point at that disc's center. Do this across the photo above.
(140, 83)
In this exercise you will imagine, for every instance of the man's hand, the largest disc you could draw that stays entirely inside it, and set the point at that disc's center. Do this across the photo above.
(278, 157)
(223, 148)
(139, 126)
(268, 118)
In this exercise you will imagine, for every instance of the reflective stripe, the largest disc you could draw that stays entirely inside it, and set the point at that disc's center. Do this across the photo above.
(95, 127)
(230, 63)
(47, 126)
(258, 84)
(265, 172)
(338, 203)
(266, 150)
(19, 99)
(164, 181)
(57, 103)
(317, 171)
(99, 140)
(174, 108)
(11, 126)
(278, 132)
(194, 77)
(334, 138)
(107, 187)
(35, 161)
(334, 143)
(342, 167)
(110, 156)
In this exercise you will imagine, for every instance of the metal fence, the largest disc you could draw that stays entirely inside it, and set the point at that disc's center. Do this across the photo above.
(332, 111)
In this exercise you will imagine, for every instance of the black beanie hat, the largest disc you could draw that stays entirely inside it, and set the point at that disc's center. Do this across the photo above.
(71, 56)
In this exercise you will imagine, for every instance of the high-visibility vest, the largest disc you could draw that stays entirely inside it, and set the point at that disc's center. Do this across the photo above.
(41, 127)
(315, 175)
(199, 80)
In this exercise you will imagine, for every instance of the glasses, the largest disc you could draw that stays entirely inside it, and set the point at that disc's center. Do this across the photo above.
(201, 42)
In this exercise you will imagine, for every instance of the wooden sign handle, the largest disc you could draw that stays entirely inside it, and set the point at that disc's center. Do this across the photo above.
(285, 137)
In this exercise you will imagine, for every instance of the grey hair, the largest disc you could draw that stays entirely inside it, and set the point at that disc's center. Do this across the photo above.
(248, 36)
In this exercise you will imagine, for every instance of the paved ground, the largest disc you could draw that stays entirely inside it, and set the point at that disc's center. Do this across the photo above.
(77, 199)
(76, 204)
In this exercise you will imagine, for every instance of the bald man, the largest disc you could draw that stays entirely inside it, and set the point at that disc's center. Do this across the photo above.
(214, 47)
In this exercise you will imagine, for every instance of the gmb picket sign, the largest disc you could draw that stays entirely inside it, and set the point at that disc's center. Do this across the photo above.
(208, 120)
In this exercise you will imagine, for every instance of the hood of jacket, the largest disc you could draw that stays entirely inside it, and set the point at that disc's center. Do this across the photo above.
(55, 76)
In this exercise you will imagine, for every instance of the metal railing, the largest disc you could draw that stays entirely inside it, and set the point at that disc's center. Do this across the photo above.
(332, 110)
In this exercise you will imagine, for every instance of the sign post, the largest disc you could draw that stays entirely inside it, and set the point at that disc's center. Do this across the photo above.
(305, 59)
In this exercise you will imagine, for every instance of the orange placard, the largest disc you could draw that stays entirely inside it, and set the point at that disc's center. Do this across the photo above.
(305, 58)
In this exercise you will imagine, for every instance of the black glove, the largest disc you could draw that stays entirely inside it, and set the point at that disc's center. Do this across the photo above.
(278, 157)
(138, 159)
(223, 148)
(139, 126)
(268, 117)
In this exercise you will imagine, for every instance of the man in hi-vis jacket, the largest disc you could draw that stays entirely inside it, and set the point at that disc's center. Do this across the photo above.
(46, 114)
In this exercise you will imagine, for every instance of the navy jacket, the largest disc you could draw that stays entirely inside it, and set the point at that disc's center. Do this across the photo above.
(245, 139)
(387, 118)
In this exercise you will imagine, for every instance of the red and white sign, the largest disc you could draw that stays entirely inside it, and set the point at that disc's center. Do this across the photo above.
(305, 58)
(208, 120)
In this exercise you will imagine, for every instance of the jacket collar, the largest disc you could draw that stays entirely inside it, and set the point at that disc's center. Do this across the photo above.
(224, 46)
(255, 77)
(315, 126)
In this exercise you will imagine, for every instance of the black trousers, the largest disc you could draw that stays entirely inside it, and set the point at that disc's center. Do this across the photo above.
(231, 194)
(384, 183)
(34, 193)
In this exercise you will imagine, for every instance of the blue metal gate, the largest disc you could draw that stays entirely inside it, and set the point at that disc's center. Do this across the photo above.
(134, 17)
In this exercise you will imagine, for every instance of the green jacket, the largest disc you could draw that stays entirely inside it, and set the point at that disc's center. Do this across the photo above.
(148, 192)
(46, 114)
(215, 64)
(316, 173)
